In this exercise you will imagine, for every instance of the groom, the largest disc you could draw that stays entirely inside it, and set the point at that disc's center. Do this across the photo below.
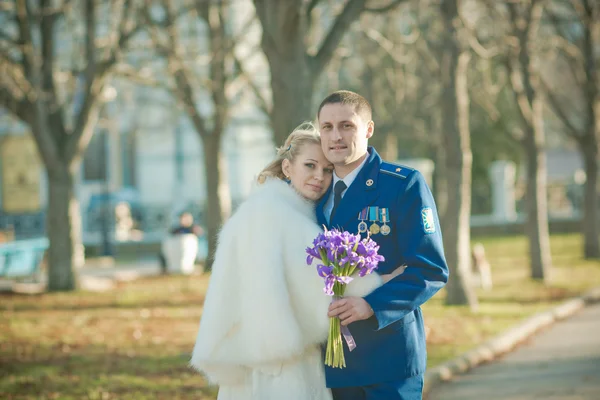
(393, 204)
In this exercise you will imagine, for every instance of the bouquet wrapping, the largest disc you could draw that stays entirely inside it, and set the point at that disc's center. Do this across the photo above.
(343, 257)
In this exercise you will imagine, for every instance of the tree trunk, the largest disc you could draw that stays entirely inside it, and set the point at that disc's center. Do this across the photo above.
(285, 27)
(440, 176)
(523, 76)
(218, 202)
(455, 117)
(63, 230)
(536, 196)
(591, 224)
(590, 221)
(292, 86)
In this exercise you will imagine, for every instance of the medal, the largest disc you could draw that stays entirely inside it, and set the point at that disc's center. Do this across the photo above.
(374, 229)
(385, 229)
(362, 226)
(374, 217)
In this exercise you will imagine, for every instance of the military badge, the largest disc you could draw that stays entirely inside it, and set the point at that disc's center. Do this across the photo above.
(428, 221)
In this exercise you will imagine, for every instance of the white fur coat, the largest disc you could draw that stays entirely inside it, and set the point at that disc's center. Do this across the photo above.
(264, 305)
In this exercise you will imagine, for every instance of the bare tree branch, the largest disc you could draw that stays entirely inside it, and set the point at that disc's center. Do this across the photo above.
(95, 75)
(36, 115)
(349, 14)
(57, 11)
(183, 91)
(474, 42)
(570, 50)
(310, 7)
(483, 100)
(558, 110)
(90, 91)
(491, 6)
(127, 29)
(6, 37)
(55, 110)
(90, 40)
(135, 75)
(218, 75)
(13, 97)
(380, 10)
(262, 102)
(25, 37)
(388, 46)
(9, 61)
(231, 42)
(93, 80)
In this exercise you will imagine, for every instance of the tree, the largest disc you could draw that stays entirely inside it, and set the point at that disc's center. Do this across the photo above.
(204, 92)
(579, 60)
(411, 65)
(523, 20)
(401, 76)
(59, 96)
(294, 69)
(455, 119)
(376, 58)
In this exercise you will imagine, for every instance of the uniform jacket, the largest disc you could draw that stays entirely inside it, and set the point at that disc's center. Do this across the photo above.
(264, 305)
(391, 344)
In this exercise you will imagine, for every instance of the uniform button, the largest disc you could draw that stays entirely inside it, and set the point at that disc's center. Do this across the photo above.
(370, 182)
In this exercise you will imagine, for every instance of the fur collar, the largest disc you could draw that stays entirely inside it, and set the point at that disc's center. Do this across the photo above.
(275, 190)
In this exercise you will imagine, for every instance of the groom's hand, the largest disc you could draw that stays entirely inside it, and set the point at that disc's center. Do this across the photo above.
(350, 309)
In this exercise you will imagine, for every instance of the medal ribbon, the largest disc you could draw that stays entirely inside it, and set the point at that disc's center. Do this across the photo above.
(373, 214)
(363, 214)
(383, 212)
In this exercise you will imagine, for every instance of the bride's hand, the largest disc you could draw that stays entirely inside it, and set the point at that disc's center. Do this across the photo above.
(388, 277)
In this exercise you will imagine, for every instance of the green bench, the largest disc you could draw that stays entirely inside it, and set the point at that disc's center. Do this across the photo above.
(22, 258)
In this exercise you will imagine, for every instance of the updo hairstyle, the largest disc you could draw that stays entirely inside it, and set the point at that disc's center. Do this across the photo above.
(304, 134)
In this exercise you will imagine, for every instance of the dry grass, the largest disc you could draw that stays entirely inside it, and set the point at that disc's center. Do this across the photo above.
(134, 342)
(131, 343)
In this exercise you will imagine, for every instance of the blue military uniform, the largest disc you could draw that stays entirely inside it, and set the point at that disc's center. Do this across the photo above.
(391, 344)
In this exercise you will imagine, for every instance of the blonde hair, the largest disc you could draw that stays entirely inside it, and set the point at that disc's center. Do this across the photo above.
(305, 133)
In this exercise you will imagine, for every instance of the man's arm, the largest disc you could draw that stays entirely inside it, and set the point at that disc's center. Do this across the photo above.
(419, 242)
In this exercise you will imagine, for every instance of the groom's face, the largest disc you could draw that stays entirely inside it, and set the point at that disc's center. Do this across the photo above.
(344, 135)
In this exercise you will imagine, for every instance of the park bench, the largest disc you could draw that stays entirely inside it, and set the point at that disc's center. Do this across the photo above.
(22, 258)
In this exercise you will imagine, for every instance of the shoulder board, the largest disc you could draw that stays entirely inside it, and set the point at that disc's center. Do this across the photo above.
(400, 171)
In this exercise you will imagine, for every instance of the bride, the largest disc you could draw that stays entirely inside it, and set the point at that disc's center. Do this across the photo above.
(265, 313)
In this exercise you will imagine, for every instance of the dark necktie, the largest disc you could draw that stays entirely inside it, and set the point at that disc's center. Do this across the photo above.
(339, 187)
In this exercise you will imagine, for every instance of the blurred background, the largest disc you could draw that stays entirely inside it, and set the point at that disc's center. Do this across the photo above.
(117, 116)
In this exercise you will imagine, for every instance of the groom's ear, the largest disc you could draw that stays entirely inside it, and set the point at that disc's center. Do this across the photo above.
(370, 129)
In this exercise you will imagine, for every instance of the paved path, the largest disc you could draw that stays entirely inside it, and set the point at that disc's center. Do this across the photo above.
(560, 363)
(92, 276)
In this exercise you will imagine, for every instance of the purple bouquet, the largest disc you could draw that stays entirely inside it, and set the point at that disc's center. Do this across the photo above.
(342, 255)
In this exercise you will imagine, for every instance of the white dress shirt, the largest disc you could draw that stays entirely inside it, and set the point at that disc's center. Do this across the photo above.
(348, 181)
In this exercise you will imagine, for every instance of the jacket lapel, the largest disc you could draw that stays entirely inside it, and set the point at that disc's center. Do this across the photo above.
(362, 193)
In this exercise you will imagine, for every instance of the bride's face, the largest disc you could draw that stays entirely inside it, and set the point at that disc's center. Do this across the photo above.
(310, 173)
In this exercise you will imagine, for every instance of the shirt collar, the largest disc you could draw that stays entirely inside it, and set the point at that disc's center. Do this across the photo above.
(352, 175)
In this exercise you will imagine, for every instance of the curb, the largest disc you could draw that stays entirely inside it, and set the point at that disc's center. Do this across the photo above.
(507, 340)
